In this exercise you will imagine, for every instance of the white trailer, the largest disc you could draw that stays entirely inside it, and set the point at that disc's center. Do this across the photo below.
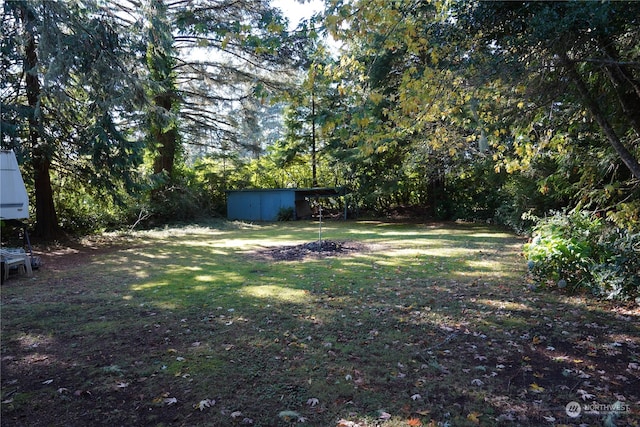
(14, 205)
(14, 201)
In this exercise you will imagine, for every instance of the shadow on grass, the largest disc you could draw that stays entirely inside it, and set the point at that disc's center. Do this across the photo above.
(436, 325)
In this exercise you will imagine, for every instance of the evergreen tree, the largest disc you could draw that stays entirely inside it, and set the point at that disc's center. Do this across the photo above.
(206, 60)
(67, 86)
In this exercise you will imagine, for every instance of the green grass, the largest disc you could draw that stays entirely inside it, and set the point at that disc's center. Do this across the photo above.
(432, 322)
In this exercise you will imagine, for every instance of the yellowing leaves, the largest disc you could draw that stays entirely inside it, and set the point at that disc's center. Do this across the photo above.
(534, 387)
(225, 41)
(474, 417)
(375, 97)
(434, 57)
(363, 121)
(331, 22)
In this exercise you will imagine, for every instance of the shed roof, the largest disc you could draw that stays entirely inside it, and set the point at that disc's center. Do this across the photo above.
(305, 192)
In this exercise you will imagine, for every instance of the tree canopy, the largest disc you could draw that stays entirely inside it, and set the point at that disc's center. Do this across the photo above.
(67, 87)
(473, 110)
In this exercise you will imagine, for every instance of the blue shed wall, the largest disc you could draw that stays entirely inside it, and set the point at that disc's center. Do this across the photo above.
(261, 205)
(243, 205)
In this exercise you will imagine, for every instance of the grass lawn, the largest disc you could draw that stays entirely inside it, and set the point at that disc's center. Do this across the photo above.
(415, 324)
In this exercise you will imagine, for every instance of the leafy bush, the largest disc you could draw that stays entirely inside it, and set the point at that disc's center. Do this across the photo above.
(177, 203)
(582, 251)
(80, 212)
(617, 273)
(285, 214)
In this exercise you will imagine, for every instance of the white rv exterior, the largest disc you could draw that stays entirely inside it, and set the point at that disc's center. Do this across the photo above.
(14, 201)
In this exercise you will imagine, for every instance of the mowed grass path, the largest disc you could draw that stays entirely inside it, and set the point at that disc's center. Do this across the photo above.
(428, 324)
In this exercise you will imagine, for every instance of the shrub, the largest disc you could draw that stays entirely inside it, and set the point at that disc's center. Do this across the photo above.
(285, 214)
(580, 250)
(617, 273)
(81, 213)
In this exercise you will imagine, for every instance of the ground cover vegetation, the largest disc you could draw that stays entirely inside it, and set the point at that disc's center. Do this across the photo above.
(393, 324)
(130, 114)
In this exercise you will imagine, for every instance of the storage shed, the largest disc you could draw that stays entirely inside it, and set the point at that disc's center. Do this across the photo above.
(266, 204)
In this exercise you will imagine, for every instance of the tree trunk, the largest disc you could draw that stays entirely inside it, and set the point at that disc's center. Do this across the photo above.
(47, 226)
(166, 140)
(436, 195)
(599, 116)
(160, 64)
(46, 218)
(626, 86)
(314, 178)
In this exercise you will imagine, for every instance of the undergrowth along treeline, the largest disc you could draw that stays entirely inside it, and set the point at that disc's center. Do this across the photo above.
(582, 251)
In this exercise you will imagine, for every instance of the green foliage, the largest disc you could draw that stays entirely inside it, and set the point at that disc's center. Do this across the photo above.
(285, 214)
(185, 199)
(475, 191)
(175, 203)
(68, 113)
(584, 252)
(465, 109)
(425, 92)
(617, 274)
(82, 211)
(562, 245)
(422, 317)
(81, 217)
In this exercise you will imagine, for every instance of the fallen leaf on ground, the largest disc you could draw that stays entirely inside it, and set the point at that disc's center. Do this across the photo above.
(384, 415)
(536, 388)
(206, 403)
(584, 395)
(289, 415)
(170, 401)
(473, 417)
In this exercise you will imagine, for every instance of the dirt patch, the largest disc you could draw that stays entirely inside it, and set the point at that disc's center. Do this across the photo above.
(310, 250)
